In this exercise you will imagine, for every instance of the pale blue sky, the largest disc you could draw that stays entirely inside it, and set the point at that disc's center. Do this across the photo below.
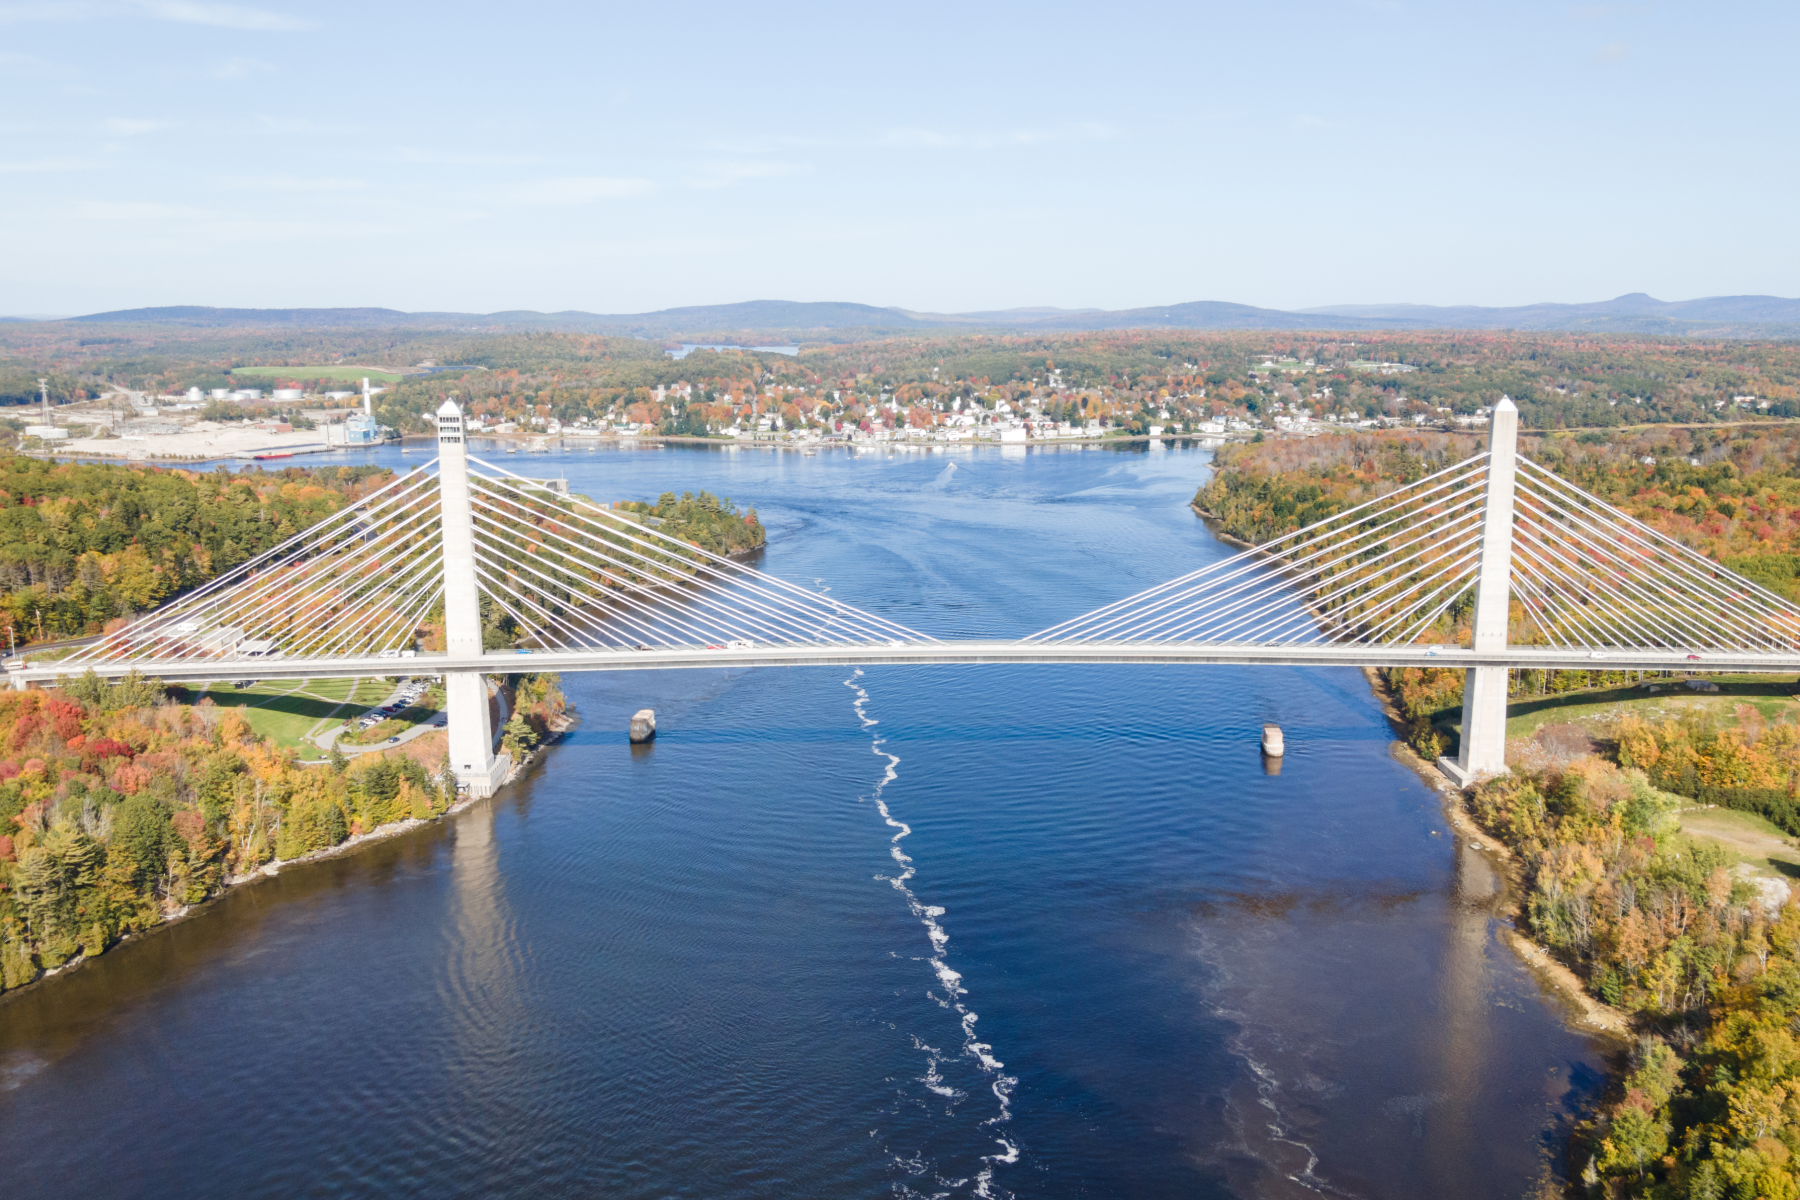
(935, 156)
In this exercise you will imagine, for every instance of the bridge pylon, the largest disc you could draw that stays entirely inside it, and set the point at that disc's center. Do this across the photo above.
(471, 731)
(1483, 749)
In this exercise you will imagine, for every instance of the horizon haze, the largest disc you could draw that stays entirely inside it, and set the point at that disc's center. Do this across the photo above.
(1636, 313)
(1297, 157)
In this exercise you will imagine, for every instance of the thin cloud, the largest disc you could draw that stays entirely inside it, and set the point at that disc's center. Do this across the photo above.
(26, 65)
(714, 175)
(444, 159)
(50, 10)
(130, 127)
(186, 12)
(1613, 52)
(45, 165)
(915, 138)
(239, 70)
(296, 126)
(930, 139)
(225, 16)
(1309, 121)
(135, 210)
(575, 189)
(295, 183)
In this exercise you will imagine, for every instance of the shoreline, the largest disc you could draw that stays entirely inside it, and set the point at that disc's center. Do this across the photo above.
(393, 829)
(280, 456)
(1588, 1013)
(684, 439)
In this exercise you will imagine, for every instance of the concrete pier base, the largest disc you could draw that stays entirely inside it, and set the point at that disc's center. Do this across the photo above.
(487, 782)
(1483, 750)
(471, 731)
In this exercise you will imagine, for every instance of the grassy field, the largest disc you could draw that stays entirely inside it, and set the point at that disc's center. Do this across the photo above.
(348, 374)
(289, 713)
(1599, 709)
(341, 689)
(1749, 837)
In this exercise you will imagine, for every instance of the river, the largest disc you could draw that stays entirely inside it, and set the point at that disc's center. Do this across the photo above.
(1038, 931)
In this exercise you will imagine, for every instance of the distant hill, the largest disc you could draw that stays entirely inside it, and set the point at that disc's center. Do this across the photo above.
(1632, 313)
(1715, 316)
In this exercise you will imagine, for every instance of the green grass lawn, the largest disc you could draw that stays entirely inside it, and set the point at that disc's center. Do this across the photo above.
(372, 374)
(340, 689)
(290, 712)
(1599, 709)
(1747, 836)
(276, 709)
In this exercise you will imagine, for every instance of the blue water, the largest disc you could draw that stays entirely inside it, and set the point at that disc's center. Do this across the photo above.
(688, 348)
(1021, 930)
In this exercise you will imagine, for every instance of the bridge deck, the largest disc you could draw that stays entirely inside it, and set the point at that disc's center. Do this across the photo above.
(926, 654)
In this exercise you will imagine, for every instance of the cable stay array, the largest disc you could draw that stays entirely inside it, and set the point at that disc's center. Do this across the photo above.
(1401, 569)
(367, 581)
(356, 584)
(580, 576)
(571, 575)
(1588, 575)
(1382, 571)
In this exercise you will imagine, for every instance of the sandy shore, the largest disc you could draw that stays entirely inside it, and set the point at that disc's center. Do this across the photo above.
(270, 869)
(218, 442)
(1588, 1013)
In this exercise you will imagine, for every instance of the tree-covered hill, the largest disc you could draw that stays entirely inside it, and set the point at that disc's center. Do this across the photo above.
(1117, 378)
(84, 544)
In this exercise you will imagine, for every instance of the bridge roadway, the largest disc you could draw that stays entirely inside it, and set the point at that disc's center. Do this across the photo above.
(923, 654)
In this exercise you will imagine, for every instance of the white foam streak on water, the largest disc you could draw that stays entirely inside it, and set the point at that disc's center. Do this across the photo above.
(949, 980)
(1267, 1086)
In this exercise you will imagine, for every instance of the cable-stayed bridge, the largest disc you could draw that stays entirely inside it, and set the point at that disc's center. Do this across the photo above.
(1548, 576)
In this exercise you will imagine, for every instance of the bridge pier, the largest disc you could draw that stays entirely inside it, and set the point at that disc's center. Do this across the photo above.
(471, 732)
(1483, 749)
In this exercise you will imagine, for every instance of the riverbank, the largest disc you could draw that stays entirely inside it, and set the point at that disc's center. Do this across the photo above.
(401, 770)
(1212, 526)
(1589, 1013)
(268, 870)
(544, 442)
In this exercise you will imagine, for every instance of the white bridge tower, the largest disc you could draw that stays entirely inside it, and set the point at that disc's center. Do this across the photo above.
(1483, 749)
(471, 730)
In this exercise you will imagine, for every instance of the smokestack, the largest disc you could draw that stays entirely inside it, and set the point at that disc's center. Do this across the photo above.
(368, 402)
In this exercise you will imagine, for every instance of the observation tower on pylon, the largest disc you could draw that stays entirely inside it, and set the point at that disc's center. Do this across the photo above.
(471, 727)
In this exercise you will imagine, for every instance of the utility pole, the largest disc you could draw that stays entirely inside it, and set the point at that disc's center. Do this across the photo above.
(1483, 750)
(471, 732)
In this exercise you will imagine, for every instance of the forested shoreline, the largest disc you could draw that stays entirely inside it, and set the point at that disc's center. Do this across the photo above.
(1117, 381)
(85, 545)
(1650, 919)
(124, 807)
